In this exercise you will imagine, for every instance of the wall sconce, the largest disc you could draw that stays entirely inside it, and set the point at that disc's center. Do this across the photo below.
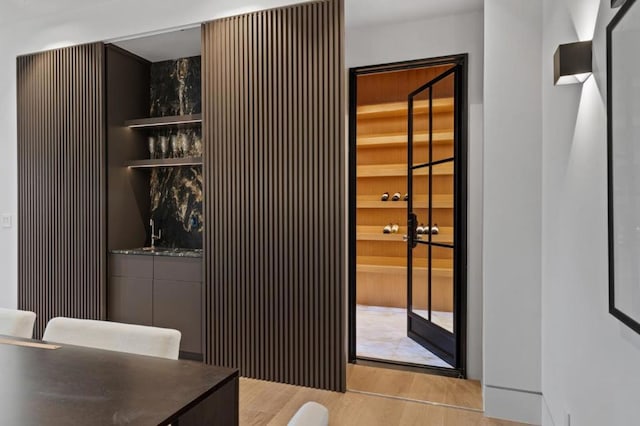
(572, 63)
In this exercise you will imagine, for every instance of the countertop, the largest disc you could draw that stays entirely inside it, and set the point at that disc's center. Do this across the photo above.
(160, 251)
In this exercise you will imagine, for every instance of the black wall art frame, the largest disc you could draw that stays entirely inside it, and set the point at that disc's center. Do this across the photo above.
(623, 164)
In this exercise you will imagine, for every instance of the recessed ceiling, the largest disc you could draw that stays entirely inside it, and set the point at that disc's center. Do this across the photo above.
(163, 47)
(370, 12)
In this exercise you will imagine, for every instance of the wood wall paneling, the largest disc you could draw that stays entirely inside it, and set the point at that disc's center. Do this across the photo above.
(128, 195)
(61, 181)
(274, 175)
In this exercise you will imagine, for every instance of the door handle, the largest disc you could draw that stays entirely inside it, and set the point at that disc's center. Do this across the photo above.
(412, 235)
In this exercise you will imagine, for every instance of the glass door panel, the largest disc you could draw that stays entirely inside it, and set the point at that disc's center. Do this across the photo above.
(420, 127)
(431, 188)
(420, 289)
(442, 285)
(433, 122)
(443, 119)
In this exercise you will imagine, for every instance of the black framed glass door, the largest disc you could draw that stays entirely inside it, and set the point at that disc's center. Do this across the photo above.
(433, 304)
(400, 296)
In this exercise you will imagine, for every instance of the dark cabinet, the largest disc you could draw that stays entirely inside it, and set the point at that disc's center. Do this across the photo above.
(130, 300)
(176, 304)
(121, 265)
(158, 291)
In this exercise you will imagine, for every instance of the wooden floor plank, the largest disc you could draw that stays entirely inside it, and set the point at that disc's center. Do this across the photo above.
(265, 403)
(415, 386)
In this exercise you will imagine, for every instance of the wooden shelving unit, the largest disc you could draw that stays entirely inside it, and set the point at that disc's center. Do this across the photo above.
(378, 170)
(439, 201)
(400, 109)
(164, 162)
(381, 144)
(374, 233)
(385, 140)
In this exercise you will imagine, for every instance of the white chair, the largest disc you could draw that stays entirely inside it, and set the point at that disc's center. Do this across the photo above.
(311, 414)
(17, 323)
(114, 336)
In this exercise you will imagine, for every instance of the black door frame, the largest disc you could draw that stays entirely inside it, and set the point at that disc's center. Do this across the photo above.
(460, 212)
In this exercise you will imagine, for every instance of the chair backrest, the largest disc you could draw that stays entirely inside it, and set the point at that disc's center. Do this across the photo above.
(114, 336)
(311, 414)
(17, 323)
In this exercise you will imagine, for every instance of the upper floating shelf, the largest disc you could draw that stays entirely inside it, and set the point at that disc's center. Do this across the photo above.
(175, 121)
(164, 162)
(438, 201)
(400, 139)
(399, 109)
(376, 170)
(374, 233)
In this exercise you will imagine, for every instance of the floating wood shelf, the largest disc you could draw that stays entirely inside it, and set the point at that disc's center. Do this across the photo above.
(400, 140)
(420, 202)
(382, 281)
(374, 233)
(386, 261)
(174, 121)
(396, 109)
(395, 270)
(378, 170)
(164, 162)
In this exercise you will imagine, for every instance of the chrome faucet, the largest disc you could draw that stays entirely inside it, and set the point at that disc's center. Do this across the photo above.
(154, 237)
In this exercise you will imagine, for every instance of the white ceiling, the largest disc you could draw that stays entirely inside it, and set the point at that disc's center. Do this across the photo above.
(21, 10)
(358, 12)
(162, 47)
(187, 42)
(371, 12)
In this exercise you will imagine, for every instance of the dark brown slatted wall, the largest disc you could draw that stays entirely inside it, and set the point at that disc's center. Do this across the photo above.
(274, 179)
(61, 209)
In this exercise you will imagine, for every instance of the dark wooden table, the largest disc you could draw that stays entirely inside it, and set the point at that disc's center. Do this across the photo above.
(72, 385)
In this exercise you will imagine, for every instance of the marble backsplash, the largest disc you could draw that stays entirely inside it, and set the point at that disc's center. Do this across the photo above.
(176, 192)
(176, 87)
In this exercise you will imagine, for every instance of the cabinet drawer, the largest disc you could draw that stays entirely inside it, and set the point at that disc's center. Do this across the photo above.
(178, 305)
(126, 265)
(130, 300)
(177, 269)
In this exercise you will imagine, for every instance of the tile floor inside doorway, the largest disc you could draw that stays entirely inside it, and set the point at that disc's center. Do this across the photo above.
(381, 333)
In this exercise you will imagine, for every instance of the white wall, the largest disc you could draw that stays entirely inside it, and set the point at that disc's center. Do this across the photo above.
(94, 21)
(512, 210)
(590, 364)
(463, 33)
(8, 171)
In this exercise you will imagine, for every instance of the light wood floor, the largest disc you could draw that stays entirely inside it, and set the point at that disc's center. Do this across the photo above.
(415, 386)
(266, 403)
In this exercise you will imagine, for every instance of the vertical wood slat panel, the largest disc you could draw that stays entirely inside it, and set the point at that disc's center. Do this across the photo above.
(61, 184)
(273, 163)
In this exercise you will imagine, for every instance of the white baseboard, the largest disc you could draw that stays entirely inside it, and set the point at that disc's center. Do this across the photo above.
(513, 404)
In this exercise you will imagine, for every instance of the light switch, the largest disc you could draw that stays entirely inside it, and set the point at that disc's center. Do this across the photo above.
(6, 221)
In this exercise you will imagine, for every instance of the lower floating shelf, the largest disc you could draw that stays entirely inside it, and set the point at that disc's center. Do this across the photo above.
(164, 162)
(419, 202)
(397, 270)
(374, 233)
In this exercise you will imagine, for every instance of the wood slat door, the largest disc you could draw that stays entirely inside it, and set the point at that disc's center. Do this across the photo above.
(61, 183)
(273, 129)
